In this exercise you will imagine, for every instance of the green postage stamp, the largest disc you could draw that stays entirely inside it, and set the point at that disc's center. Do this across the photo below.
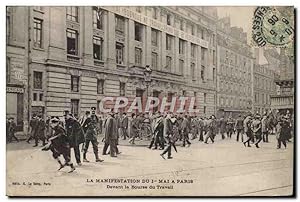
(273, 26)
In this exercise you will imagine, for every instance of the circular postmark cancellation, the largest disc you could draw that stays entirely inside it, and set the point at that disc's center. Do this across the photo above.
(271, 27)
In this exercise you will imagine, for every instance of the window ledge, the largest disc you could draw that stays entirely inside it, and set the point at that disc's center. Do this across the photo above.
(98, 62)
(73, 58)
(39, 49)
(121, 65)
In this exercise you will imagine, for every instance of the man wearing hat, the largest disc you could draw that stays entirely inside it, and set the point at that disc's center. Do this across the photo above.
(90, 126)
(247, 129)
(59, 145)
(75, 134)
(256, 128)
(212, 129)
(11, 129)
(111, 135)
(239, 128)
(185, 128)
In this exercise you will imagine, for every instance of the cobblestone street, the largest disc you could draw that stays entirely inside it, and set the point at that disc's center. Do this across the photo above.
(225, 168)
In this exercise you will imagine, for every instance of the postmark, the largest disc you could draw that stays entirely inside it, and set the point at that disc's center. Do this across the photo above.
(272, 27)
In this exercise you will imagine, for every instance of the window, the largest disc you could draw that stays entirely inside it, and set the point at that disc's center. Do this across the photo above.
(138, 9)
(202, 33)
(154, 37)
(41, 97)
(204, 109)
(154, 60)
(202, 72)
(98, 18)
(168, 42)
(154, 13)
(122, 89)
(204, 97)
(120, 24)
(181, 25)
(97, 47)
(72, 13)
(8, 29)
(7, 70)
(37, 80)
(138, 31)
(193, 70)
(74, 106)
(181, 66)
(119, 53)
(214, 57)
(168, 62)
(138, 56)
(202, 54)
(100, 86)
(34, 96)
(181, 46)
(37, 33)
(214, 73)
(192, 30)
(193, 50)
(168, 19)
(75, 83)
(72, 42)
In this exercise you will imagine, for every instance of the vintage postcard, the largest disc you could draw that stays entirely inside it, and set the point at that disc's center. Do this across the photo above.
(161, 101)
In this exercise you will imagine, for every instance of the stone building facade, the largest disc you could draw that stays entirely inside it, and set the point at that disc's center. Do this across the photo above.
(17, 66)
(75, 56)
(263, 86)
(235, 70)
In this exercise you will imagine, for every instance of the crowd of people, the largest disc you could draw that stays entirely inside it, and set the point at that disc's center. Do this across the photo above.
(164, 132)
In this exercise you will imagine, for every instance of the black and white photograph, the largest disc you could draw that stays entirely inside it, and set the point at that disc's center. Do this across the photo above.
(150, 101)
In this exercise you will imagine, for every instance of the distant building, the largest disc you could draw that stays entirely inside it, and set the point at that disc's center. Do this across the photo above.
(284, 99)
(234, 70)
(263, 86)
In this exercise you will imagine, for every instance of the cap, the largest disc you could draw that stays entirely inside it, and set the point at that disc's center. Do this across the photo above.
(66, 112)
(93, 108)
(55, 120)
(10, 118)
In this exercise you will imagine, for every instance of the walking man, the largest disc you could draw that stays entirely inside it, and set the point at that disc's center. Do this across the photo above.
(111, 135)
(91, 136)
(239, 128)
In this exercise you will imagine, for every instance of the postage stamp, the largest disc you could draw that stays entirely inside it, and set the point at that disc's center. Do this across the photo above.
(272, 27)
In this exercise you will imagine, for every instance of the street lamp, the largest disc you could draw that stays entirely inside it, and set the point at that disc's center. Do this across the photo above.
(147, 77)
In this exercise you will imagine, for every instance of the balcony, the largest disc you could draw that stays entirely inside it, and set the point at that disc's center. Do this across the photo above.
(282, 101)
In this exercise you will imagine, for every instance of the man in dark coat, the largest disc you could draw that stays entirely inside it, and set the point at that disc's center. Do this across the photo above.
(256, 129)
(59, 145)
(282, 131)
(222, 126)
(11, 129)
(230, 127)
(124, 126)
(201, 129)
(212, 129)
(111, 135)
(158, 128)
(247, 129)
(91, 136)
(185, 129)
(239, 128)
(168, 134)
(75, 134)
(33, 127)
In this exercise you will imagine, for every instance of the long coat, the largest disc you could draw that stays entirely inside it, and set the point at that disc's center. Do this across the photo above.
(111, 130)
(222, 125)
(59, 143)
(74, 132)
